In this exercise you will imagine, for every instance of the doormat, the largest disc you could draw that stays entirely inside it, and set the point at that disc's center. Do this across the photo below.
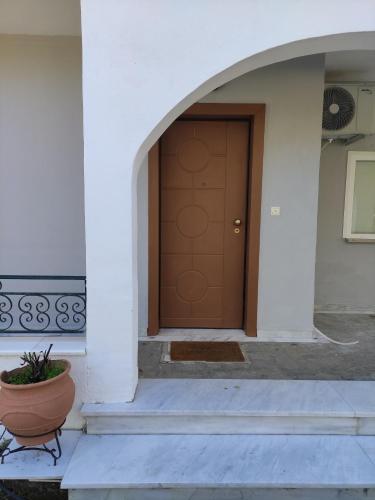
(215, 352)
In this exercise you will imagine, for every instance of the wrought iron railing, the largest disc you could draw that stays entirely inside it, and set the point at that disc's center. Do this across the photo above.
(42, 304)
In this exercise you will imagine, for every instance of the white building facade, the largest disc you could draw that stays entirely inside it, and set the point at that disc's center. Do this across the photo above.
(132, 111)
(85, 93)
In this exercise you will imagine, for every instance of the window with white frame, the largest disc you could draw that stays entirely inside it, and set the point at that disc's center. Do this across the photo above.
(359, 213)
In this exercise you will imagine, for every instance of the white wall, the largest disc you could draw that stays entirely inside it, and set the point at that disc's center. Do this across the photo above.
(135, 83)
(41, 179)
(345, 272)
(41, 156)
(293, 93)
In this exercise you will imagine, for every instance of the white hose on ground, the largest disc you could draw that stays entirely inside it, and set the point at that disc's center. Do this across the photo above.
(354, 342)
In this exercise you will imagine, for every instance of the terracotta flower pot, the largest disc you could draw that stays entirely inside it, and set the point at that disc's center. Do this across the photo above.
(33, 411)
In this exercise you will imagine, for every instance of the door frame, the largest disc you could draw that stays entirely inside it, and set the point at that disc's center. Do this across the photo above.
(255, 114)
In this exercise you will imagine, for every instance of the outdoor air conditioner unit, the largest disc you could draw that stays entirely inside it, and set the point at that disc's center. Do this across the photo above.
(348, 110)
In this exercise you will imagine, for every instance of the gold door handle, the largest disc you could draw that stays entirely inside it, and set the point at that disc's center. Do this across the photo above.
(237, 222)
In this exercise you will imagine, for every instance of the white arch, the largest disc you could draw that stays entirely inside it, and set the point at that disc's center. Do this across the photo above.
(144, 63)
(300, 48)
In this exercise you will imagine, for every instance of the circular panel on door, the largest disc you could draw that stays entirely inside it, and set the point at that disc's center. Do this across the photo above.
(192, 221)
(191, 286)
(193, 155)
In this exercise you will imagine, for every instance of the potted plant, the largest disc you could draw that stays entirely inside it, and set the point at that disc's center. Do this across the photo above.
(36, 398)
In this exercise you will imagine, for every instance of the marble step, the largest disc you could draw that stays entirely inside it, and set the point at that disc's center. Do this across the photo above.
(223, 494)
(225, 461)
(230, 406)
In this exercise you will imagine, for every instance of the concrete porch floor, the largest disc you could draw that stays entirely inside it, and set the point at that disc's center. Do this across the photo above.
(275, 360)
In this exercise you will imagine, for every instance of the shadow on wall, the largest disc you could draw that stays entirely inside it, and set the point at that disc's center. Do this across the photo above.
(345, 272)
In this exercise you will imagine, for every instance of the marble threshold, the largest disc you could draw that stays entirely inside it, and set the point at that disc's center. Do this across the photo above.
(229, 335)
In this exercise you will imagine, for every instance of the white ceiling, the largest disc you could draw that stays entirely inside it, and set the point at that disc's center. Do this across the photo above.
(356, 65)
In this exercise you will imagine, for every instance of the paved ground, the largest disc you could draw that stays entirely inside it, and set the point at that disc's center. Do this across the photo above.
(284, 360)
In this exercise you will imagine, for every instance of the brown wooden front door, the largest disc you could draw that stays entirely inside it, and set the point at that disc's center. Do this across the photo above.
(203, 195)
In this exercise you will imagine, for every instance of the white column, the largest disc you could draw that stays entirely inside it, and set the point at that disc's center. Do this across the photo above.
(110, 148)
(111, 278)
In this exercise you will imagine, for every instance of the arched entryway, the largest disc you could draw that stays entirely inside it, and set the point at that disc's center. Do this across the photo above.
(131, 114)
